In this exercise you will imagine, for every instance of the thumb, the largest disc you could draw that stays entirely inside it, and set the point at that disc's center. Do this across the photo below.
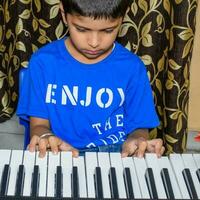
(67, 147)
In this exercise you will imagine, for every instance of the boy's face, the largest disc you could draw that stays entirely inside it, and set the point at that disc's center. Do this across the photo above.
(91, 40)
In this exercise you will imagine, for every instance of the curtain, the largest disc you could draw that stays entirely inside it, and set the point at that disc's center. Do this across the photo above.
(161, 32)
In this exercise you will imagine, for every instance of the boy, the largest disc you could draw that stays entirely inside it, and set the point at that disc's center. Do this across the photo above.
(87, 92)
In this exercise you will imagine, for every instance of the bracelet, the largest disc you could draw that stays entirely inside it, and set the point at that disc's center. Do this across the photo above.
(45, 135)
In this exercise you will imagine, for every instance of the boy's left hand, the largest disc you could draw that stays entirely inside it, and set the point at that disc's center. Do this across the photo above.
(138, 147)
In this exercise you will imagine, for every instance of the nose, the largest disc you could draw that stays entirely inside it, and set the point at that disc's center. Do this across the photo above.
(94, 40)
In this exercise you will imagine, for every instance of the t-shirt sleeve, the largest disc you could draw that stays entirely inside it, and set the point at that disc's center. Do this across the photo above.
(32, 92)
(139, 105)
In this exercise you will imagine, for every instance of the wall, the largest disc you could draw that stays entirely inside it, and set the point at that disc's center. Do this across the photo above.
(194, 96)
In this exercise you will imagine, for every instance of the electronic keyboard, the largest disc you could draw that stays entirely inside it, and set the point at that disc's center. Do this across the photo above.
(100, 175)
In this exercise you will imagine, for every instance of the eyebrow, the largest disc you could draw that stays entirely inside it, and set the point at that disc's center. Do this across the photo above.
(88, 29)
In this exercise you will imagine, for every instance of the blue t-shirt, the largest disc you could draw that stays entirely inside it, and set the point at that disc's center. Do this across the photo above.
(88, 105)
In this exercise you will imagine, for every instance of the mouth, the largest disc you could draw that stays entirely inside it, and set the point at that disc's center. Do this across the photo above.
(92, 52)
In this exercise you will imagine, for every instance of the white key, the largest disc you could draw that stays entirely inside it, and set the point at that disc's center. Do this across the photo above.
(197, 160)
(16, 160)
(4, 159)
(53, 162)
(178, 166)
(42, 163)
(116, 162)
(128, 162)
(104, 164)
(152, 162)
(141, 167)
(28, 162)
(66, 163)
(91, 164)
(164, 162)
(189, 162)
(80, 164)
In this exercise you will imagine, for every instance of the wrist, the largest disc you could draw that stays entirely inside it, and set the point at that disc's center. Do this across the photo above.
(44, 135)
(39, 130)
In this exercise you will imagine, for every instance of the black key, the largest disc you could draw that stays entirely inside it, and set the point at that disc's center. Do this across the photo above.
(35, 181)
(198, 174)
(128, 183)
(20, 181)
(4, 180)
(189, 183)
(151, 183)
(98, 183)
(167, 183)
(58, 183)
(113, 183)
(75, 183)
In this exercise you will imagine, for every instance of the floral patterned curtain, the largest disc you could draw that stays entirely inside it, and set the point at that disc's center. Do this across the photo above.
(161, 32)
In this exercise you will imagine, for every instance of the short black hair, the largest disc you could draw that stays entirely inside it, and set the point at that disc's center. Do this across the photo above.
(96, 8)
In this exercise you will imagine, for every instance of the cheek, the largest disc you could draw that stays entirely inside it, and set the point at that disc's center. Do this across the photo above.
(76, 38)
(110, 39)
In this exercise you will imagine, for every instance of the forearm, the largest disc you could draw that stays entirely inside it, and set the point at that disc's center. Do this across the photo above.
(139, 133)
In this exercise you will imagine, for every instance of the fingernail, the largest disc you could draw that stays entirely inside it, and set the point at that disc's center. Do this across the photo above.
(31, 149)
(140, 156)
(75, 154)
(55, 152)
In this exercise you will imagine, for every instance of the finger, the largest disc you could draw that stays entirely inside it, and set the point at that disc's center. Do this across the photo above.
(65, 147)
(136, 153)
(53, 144)
(150, 149)
(134, 149)
(152, 144)
(162, 151)
(142, 146)
(128, 149)
(124, 154)
(158, 146)
(75, 152)
(124, 150)
(33, 143)
(42, 147)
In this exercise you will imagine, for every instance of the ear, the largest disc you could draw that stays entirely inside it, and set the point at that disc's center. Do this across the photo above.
(121, 19)
(63, 13)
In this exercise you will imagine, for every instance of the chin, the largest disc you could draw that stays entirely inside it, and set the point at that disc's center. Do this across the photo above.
(91, 57)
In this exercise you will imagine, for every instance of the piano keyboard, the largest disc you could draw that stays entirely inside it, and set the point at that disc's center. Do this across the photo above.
(102, 175)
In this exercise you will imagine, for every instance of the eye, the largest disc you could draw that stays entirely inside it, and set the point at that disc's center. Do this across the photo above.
(108, 30)
(80, 29)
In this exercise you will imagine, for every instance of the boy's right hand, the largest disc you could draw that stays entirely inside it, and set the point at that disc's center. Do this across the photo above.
(51, 142)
